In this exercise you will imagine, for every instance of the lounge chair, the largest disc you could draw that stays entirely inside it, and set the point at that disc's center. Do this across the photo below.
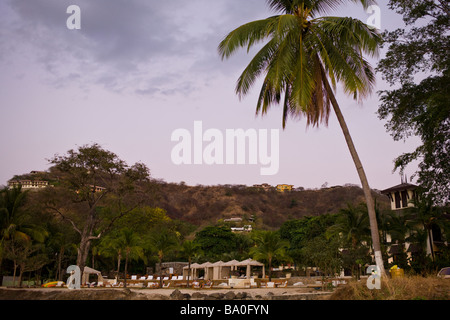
(222, 285)
(282, 284)
(196, 285)
(153, 285)
(150, 278)
(208, 284)
(165, 278)
(253, 283)
(167, 285)
(133, 277)
(180, 278)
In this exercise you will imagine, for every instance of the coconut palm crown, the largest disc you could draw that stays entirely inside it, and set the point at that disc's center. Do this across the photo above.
(302, 52)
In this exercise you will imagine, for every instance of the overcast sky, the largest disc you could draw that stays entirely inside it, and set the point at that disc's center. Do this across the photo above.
(138, 70)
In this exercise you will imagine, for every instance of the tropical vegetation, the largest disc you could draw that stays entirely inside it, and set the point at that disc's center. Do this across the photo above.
(38, 243)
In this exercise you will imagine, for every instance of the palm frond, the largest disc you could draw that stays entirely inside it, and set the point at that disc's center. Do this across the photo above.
(246, 36)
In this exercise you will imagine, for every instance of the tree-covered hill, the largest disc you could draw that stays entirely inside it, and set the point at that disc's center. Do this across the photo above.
(205, 205)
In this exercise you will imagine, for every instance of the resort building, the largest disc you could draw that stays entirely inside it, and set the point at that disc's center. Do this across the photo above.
(246, 228)
(264, 186)
(97, 188)
(28, 184)
(284, 187)
(401, 196)
(233, 220)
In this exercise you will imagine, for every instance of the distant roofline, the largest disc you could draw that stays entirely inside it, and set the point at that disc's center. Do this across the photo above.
(402, 186)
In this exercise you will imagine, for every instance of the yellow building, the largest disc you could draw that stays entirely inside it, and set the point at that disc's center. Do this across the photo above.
(284, 187)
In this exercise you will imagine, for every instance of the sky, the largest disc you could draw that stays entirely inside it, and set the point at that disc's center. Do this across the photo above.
(139, 70)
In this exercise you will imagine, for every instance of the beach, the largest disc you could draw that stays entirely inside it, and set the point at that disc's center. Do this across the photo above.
(288, 293)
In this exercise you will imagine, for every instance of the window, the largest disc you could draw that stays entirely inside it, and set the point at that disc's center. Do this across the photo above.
(404, 199)
(397, 200)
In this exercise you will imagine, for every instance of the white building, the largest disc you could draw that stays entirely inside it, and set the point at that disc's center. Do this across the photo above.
(28, 184)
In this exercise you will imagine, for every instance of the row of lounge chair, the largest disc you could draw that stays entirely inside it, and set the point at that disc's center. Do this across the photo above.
(196, 284)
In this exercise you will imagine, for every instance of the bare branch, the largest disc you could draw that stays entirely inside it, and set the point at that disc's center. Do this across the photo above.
(65, 218)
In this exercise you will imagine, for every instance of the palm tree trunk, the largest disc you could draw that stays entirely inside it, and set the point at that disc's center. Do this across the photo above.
(160, 273)
(362, 176)
(119, 257)
(126, 270)
(270, 269)
(430, 241)
(189, 272)
(61, 252)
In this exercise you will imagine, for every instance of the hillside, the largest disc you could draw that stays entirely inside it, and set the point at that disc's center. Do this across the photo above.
(202, 205)
(268, 209)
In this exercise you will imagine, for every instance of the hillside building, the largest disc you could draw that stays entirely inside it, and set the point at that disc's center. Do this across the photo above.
(284, 187)
(402, 197)
(28, 184)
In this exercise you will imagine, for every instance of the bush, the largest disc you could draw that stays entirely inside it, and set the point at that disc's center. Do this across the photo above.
(406, 288)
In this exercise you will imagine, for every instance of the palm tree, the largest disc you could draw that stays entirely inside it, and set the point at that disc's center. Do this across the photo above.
(131, 246)
(269, 246)
(162, 242)
(426, 215)
(124, 242)
(398, 227)
(190, 249)
(15, 221)
(11, 203)
(304, 58)
(352, 224)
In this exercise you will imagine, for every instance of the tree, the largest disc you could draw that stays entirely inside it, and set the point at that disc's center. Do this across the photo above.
(300, 232)
(189, 248)
(215, 241)
(352, 226)
(417, 67)
(94, 189)
(131, 245)
(15, 220)
(398, 228)
(111, 247)
(304, 58)
(162, 242)
(269, 246)
(324, 254)
(26, 256)
(426, 216)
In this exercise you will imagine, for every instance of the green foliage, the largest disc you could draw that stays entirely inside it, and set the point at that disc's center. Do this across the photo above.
(216, 241)
(301, 50)
(299, 232)
(269, 247)
(417, 63)
(324, 254)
